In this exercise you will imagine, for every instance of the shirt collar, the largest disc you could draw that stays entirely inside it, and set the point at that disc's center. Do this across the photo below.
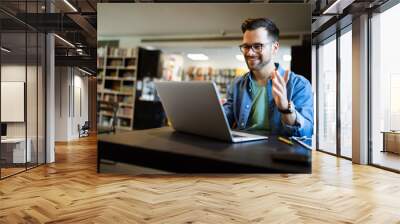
(281, 71)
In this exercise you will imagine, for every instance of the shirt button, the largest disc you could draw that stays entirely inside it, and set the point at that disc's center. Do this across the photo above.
(247, 106)
(242, 124)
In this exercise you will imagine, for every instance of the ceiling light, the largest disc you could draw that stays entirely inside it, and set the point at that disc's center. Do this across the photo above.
(240, 57)
(287, 57)
(197, 57)
(70, 5)
(150, 48)
(84, 71)
(5, 49)
(64, 40)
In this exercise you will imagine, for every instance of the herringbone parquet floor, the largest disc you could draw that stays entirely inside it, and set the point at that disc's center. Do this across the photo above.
(70, 191)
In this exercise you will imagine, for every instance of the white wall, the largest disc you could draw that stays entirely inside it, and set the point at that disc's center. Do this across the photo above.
(80, 109)
(61, 103)
(71, 87)
(12, 73)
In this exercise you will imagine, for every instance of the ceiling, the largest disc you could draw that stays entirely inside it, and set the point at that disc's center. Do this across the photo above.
(177, 19)
(77, 26)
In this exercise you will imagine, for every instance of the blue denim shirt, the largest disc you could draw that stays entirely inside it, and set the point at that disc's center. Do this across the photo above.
(239, 102)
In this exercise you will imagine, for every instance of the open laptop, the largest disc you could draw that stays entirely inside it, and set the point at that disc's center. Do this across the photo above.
(194, 107)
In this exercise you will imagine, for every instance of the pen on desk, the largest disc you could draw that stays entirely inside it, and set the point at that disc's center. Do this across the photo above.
(287, 141)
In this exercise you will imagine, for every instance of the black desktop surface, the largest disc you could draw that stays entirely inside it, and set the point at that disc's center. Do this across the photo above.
(166, 149)
(148, 114)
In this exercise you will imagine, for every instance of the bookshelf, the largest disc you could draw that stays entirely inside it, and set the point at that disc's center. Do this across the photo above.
(116, 83)
(222, 77)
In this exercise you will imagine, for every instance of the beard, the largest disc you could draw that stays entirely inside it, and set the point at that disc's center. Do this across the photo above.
(256, 63)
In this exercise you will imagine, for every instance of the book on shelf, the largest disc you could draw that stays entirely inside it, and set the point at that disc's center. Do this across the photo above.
(100, 74)
(125, 111)
(109, 97)
(222, 77)
(121, 52)
(101, 52)
(126, 74)
(127, 89)
(111, 73)
(130, 62)
(113, 85)
(114, 62)
(100, 62)
(125, 99)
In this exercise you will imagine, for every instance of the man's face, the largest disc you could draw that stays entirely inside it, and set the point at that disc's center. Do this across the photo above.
(257, 60)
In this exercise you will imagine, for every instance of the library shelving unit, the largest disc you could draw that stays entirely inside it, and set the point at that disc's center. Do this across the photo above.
(116, 84)
(222, 77)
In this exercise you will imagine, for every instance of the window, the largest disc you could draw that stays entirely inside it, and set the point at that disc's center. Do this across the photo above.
(385, 89)
(346, 93)
(22, 76)
(327, 96)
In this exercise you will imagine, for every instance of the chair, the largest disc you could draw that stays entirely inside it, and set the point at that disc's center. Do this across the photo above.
(111, 107)
(84, 130)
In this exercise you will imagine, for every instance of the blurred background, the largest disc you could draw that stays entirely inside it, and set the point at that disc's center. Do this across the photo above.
(182, 42)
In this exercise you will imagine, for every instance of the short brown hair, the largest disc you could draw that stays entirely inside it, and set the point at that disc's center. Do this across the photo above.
(252, 24)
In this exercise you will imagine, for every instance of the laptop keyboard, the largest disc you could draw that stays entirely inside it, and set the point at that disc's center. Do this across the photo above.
(236, 134)
(243, 136)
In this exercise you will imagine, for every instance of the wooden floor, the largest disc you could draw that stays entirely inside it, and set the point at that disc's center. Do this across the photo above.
(387, 159)
(10, 171)
(70, 191)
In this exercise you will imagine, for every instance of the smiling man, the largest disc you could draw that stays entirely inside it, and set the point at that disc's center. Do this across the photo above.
(268, 98)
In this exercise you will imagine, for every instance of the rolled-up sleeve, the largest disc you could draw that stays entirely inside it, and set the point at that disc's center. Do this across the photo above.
(304, 109)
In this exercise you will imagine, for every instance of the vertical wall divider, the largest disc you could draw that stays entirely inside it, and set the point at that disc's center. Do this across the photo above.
(317, 97)
(73, 93)
(0, 97)
(338, 94)
(47, 4)
(37, 90)
(45, 93)
(60, 86)
(26, 86)
(369, 96)
(69, 92)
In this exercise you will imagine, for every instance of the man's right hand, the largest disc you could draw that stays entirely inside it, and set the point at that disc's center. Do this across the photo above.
(279, 91)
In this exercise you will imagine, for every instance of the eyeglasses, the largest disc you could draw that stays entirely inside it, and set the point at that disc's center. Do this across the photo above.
(257, 47)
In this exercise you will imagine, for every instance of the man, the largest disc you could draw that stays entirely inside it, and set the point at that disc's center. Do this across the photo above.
(268, 98)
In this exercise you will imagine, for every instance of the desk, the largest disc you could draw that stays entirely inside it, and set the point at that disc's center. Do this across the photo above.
(13, 150)
(391, 141)
(168, 150)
